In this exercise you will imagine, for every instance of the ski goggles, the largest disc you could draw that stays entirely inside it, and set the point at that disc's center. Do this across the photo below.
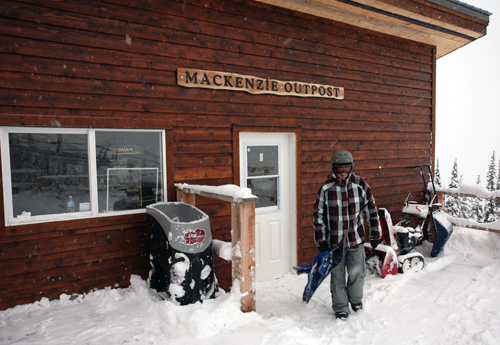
(341, 170)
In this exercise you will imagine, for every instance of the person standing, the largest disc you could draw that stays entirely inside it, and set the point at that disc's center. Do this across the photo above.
(338, 223)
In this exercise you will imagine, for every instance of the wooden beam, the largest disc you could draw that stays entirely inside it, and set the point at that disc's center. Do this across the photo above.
(482, 228)
(187, 192)
(243, 252)
(242, 239)
(186, 197)
(463, 195)
(440, 199)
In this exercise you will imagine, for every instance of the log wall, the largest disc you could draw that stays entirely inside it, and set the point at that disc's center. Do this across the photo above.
(112, 64)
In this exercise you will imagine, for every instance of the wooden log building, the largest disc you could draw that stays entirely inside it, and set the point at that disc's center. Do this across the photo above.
(106, 105)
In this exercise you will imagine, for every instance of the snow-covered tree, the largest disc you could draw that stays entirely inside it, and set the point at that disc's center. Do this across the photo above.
(453, 204)
(465, 203)
(437, 175)
(477, 208)
(498, 188)
(490, 208)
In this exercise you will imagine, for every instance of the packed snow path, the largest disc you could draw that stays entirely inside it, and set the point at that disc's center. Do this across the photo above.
(454, 300)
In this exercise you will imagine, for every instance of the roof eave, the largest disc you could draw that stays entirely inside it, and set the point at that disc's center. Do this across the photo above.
(446, 24)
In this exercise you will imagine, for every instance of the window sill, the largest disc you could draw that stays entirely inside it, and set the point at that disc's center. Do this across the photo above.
(67, 217)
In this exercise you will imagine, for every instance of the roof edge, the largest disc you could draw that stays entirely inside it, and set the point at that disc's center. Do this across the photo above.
(464, 8)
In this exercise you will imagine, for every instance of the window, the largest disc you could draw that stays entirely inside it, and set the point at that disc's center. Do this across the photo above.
(262, 174)
(54, 174)
(128, 169)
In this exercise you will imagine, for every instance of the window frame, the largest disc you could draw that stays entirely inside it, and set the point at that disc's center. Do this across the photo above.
(10, 220)
(264, 209)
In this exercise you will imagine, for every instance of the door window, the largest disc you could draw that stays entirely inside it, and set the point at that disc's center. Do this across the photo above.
(263, 174)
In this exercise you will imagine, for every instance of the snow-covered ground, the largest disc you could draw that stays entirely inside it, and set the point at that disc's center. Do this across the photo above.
(454, 300)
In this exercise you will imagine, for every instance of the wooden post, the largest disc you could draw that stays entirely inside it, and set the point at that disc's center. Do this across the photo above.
(243, 252)
(242, 239)
(186, 197)
(440, 198)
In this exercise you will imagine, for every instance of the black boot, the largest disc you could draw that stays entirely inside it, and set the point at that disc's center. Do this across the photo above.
(342, 315)
(357, 307)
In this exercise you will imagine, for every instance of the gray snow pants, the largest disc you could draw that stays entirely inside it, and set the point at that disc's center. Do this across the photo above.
(350, 290)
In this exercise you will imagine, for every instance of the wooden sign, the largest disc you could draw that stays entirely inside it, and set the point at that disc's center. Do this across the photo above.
(254, 85)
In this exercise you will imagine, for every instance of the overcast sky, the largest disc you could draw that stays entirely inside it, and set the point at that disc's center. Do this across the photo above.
(468, 103)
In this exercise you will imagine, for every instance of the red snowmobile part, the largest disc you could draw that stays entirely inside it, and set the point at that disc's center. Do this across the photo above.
(388, 236)
(390, 263)
(388, 250)
(383, 260)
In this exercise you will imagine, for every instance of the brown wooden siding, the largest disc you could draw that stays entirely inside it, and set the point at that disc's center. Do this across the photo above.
(113, 64)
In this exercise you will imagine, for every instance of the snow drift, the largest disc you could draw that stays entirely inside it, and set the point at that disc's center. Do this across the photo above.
(453, 300)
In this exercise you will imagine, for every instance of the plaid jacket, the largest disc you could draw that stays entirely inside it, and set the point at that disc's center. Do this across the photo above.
(339, 209)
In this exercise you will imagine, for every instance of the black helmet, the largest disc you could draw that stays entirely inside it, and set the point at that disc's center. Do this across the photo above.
(341, 158)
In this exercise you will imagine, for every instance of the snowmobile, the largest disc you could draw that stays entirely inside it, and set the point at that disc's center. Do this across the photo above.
(431, 212)
(393, 255)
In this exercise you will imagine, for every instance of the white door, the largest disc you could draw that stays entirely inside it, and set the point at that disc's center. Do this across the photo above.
(267, 167)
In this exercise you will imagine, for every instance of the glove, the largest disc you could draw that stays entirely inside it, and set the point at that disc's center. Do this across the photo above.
(375, 243)
(323, 247)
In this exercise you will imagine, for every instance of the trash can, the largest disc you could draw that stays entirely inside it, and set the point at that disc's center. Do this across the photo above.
(181, 252)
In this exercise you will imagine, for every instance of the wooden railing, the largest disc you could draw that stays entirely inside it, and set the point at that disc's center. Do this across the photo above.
(491, 227)
(242, 237)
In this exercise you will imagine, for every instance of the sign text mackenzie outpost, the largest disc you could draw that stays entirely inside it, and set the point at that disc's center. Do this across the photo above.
(237, 82)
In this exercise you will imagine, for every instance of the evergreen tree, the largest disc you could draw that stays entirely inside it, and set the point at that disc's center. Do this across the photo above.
(453, 204)
(477, 207)
(498, 188)
(490, 208)
(437, 175)
(465, 203)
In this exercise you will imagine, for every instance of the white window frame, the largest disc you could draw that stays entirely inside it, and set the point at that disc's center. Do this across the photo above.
(267, 209)
(10, 220)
